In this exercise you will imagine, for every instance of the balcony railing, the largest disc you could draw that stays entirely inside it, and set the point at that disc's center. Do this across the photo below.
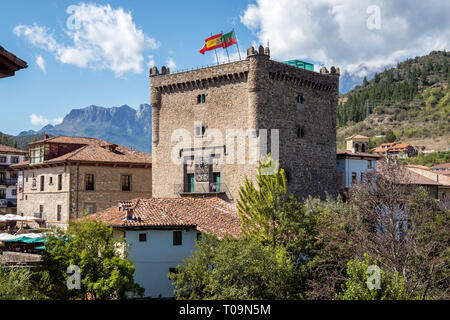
(8, 182)
(200, 188)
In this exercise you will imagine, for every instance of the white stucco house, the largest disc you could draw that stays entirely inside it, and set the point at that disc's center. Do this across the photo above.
(9, 176)
(352, 164)
(161, 233)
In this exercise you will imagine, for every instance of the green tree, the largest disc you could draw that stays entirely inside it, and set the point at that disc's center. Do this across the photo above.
(106, 273)
(391, 287)
(236, 269)
(263, 207)
(390, 136)
(17, 284)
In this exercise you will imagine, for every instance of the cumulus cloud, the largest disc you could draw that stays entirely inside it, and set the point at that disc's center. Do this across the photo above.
(40, 120)
(171, 64)
(344, 33)
(99, 38)
(41, 63)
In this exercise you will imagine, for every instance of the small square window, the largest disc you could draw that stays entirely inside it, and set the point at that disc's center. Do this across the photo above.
(142, 237)
(199, 236)
(177, 238)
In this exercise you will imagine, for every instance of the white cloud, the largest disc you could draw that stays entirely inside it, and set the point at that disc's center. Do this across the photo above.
(336, 32)
(151, 62)
(41, 63)
(101, 38)
(58, 120)
(40, 120)
(171, 64)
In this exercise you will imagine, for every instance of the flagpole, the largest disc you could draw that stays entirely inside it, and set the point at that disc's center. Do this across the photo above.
(237, 45)
(217, 58)
(226, 49)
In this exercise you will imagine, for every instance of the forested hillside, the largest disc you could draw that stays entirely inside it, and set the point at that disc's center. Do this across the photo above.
(411, 100)
(20, 142)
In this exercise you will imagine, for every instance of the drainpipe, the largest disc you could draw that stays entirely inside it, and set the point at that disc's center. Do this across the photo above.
(78, 184)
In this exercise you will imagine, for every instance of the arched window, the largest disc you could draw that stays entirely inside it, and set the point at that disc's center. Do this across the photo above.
(363, 147)
(300, 132)
(203, 98)
(356, 147)
(300, 99)
(199, 99)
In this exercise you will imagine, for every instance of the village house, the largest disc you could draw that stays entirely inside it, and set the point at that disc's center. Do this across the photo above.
(442, 180)
(161, 233)
(296, 107)
(8, 177)
(66, 177)
(354, 163)
(443, 168)
(397, 150)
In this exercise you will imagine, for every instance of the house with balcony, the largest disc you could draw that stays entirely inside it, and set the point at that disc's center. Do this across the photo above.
(352, 165)
(68, 177)
(397, 150)
(9, 177)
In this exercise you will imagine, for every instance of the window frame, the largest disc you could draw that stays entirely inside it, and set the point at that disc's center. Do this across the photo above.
(177, 240)
(142, 237)
(91, 183)
(129, 182)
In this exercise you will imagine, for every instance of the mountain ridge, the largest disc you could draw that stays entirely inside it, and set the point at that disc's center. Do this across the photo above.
(122, 125)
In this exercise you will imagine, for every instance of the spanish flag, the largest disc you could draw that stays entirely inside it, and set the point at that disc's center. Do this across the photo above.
(212, 43)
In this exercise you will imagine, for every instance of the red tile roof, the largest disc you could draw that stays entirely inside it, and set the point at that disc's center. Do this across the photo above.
(205, 214)
(94, 150)
(7, 149)
(442, 165)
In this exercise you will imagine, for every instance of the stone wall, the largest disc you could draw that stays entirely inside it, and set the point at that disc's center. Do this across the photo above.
(50, 198)
(255, 93)
(107, 186)
(73, 195)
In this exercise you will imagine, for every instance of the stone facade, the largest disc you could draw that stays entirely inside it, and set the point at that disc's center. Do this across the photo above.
(252, 94)
(73, 197)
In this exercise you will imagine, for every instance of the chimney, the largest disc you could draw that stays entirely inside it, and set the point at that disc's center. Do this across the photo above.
(127, 207)
(45, 136)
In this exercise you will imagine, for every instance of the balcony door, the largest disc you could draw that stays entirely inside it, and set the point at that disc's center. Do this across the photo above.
(191, 182)
(216, 178)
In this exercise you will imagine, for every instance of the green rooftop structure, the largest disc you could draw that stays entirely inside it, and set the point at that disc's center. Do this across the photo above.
(300, 64)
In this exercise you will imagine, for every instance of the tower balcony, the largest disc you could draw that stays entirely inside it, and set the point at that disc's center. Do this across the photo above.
(200, 188)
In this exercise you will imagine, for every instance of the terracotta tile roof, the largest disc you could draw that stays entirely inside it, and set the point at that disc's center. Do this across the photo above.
(418, 166)
(357, 154)
(442, 165)
(358, 137)
(73, 140)
(94, 150)
(413, 177)
(205, 214)
(4, 148)
(393, 147)
(433, 176)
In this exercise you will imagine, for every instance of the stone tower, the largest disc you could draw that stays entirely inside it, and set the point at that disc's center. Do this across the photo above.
(208, 122)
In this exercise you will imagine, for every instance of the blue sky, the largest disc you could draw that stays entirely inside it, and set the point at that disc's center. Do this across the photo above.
(99, 52)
